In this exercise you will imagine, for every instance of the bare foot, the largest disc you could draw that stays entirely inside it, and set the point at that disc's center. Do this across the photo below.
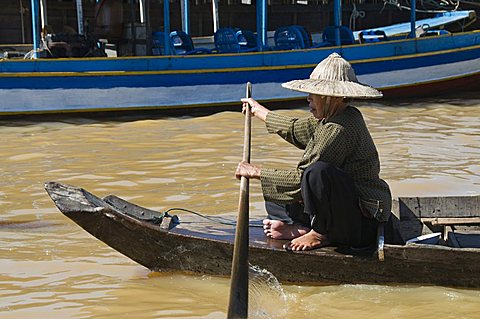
(308, 241)
(277, 229)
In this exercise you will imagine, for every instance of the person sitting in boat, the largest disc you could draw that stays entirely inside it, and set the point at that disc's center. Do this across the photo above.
(335, 195)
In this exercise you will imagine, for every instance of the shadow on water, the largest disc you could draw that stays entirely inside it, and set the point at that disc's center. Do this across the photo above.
(6, 225)
(117, 116)
(469, 98)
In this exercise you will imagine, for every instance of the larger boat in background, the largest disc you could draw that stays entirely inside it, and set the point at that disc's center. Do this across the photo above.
(410, 59)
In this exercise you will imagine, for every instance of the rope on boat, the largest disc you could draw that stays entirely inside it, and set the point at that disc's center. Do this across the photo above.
(356, 14)
(215, 219)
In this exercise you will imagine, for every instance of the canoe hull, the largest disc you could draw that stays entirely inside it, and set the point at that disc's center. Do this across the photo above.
(204, 247)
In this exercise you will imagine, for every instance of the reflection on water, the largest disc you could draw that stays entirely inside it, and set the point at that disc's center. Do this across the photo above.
(50, 268)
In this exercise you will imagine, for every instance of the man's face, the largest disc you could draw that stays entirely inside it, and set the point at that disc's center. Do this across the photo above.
(320, 105)
(317, 105)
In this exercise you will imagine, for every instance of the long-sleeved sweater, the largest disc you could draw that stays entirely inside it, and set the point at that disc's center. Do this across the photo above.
(343, 141)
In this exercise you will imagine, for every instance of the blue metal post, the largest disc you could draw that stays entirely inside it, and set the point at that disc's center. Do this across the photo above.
(262, 28)
(337, 20)
(166, 26)
(264, 23)
(35, 27)
(186, 16)
(413, 8)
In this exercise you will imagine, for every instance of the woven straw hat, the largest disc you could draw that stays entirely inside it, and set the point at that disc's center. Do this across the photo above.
(334, 76)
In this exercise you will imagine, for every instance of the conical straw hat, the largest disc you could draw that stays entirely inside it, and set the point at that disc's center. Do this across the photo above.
(334, 76)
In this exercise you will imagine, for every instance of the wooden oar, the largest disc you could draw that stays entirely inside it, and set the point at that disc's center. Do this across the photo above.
(238, 305)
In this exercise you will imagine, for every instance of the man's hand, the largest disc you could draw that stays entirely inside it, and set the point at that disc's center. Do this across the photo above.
(256, 108)
(248, 170)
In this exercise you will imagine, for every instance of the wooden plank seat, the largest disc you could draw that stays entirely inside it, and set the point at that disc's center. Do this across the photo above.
(452, 220)
(457, 218)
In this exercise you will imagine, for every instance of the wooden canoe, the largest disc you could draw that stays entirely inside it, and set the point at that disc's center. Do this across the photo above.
(201, 245)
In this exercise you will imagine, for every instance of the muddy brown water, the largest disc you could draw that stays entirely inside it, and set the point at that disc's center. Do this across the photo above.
(50, 268)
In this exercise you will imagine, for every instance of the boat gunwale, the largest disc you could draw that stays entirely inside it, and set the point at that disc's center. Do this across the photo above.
(198, 56)
(225, 70)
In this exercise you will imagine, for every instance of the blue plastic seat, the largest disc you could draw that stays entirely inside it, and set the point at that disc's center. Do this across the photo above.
(370, 36)
(346, 35)
(246, 39)
(226, 42)
(179, 43)
(307, 36)
(289, 38)
(183, 44)
(158, 44)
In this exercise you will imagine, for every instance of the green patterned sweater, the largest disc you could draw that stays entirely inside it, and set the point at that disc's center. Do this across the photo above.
(343, 141)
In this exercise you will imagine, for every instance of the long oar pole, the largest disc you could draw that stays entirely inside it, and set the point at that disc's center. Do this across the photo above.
(238, 305)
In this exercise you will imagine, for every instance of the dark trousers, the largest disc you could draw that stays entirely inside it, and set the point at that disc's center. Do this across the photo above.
(330, 207)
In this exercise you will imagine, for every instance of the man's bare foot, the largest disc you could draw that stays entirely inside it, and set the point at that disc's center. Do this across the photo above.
(308, 241)
(277, 229)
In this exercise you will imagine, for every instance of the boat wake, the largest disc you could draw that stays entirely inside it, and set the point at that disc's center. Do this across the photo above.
(267, 299)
